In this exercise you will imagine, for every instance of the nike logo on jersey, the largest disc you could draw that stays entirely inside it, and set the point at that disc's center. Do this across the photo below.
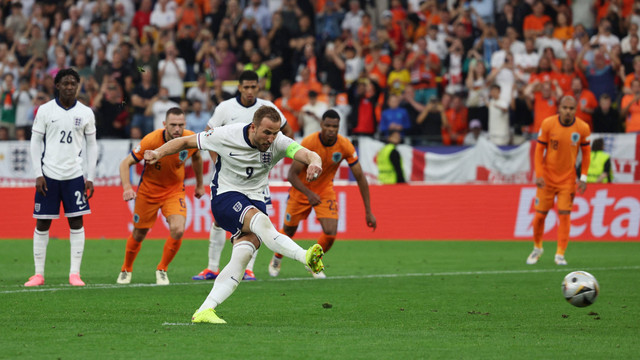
(82, 207)
(232, 154)
(54, 120)
(233, 118)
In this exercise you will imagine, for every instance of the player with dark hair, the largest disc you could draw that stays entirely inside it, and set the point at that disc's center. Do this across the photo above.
(559, 139)
(247, 152)
(161, 187)
(240, 109)
(319, 195)
(63, 124)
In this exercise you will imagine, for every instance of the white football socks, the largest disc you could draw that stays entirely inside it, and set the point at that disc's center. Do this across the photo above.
(40, 242)
(76, 238)
(275, 241)
(253, 260)
(216, 245)
(229, 278)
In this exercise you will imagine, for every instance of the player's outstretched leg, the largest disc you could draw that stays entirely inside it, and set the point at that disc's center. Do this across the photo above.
(226, 283)
(216, 245)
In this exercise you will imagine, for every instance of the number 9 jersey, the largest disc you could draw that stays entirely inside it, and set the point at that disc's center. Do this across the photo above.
(64, 131)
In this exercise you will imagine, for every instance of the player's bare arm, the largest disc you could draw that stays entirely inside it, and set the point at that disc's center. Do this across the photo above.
(196, 162)
(313, 160)
(128, 192)
(92, 160)
(363, 185)
(171, 147)
(295, 169)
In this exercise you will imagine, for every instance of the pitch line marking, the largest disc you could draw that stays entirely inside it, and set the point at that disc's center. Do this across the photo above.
(176, 324)
(310, 278)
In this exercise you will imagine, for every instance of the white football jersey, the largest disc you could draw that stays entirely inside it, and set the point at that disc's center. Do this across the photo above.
(232, 111)
(240, 166)
(64, 132)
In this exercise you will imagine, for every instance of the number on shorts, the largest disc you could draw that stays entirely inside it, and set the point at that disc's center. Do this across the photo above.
(332, 205)
(79, 198)
(249, 172)
(182, 204)
(65, 137)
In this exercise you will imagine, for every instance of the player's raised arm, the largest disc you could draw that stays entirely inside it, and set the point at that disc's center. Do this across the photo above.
(308, 157)
(171, 147)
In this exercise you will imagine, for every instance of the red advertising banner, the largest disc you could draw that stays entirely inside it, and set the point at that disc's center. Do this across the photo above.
(407, 212)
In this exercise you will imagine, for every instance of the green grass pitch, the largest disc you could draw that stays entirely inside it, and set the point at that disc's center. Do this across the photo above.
(381, 300)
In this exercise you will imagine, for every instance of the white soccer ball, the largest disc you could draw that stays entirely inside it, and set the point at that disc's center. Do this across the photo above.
(580, 288)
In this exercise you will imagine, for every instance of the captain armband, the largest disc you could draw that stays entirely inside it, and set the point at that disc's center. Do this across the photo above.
(292, 149)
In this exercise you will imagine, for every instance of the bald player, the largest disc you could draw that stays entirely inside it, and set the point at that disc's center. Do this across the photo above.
(559, 140)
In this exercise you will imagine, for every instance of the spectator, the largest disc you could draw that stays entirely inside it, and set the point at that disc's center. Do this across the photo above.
(365, 32)
(432, 122)
(478, 92)
(393, 32)
(260, 13)
(474, 134)
(301, 88)
(7, 106)
(586, 101)
(394, 118)
(527, 62)
(505, 19)
(142, 17)
(288, 105)
(498, 57)
(197, 118)
(436, 42)
(565, 76)
(499, 132)
(16, 22)
(352, 64)
(534, 23)
(546, 40)
(185, 46)
(606, 119)
(158, 107)
(399, 76)
(631, 108)
(274, 61)
(625, 43)
(520, 110)
(264, 72)
(121, 73)
(453, 63)
(219, 95)
(189, 18)
(563, 31)
(111, 114)
(171, 72)
(311, 114)
(363, 98)
(376, 64)
(504, 77)
(200, 92)
(628, 59)
(583, 14)
(604, 37)
(544, 100)
(163, 16)
(141, 97)
(457, 119)
(424, 67)
(390, 161)
(353, 19)
(4, 133)
(23, 100)
(328, 22)
(599, 74)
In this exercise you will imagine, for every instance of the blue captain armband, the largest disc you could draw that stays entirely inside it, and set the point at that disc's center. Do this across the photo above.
(292, 149)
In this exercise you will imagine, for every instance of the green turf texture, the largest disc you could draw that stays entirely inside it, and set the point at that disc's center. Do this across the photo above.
(382, 300)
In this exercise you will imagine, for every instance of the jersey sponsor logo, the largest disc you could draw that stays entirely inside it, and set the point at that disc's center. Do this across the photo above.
(575, 137)
(77, 121)
(183, 155)
(266, 157)
(336, 157)
(237, 207)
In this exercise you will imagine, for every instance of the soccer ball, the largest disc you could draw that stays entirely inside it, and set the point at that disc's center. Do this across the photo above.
(580, 288)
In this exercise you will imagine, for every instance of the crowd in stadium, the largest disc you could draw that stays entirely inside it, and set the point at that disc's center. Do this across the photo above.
(440, 72)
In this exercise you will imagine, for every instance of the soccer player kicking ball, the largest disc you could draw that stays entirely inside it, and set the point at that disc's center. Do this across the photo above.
(246, 155)
(161, 187)
(320, 195)
(64, 124)
(559, 139)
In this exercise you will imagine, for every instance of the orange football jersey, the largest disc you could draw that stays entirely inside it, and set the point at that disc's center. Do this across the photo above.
(558, 165)
(331, 157)
(165, 177)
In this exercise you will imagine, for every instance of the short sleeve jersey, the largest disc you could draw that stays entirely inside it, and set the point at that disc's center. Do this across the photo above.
(562, 143)
(165, 177)
(64, 131)
(241, 167)
(331, 157)
(232, 111)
